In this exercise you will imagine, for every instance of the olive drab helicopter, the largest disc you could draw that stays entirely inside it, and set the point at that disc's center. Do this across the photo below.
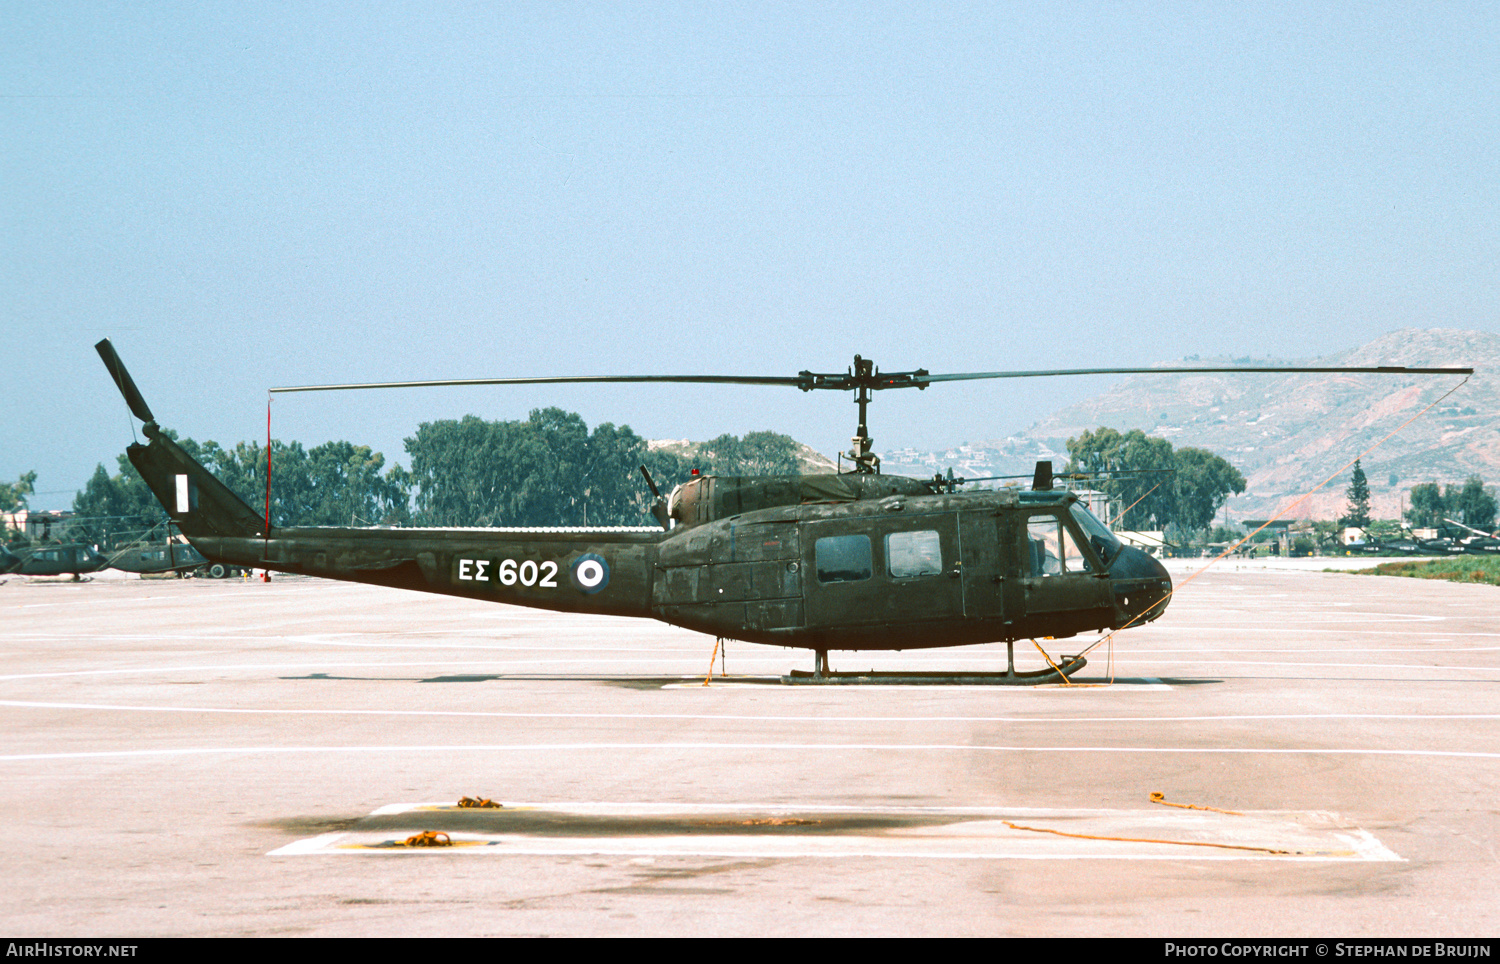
(850, 561)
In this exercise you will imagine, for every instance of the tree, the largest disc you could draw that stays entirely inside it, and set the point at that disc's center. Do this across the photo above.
(337, 483)
(758, 453)
(333, 484)
(1427, 506)
(12, 498)
(1187, 487)
(548, 470)
(1358, 513)
(13, 494)
(1474, 505)
(1202, 483)
(116, 508)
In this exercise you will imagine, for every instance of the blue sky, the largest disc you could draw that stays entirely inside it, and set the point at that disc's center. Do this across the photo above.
(243, 196)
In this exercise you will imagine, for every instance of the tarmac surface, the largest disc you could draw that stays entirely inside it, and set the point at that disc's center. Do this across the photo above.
(229, 758)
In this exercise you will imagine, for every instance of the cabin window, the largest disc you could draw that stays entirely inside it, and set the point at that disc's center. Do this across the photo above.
(843, 558)
(1053, 548)
(911, 554)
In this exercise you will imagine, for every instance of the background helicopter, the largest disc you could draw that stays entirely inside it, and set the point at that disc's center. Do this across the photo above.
(1480, 542)
(143, 556)
(58, 559)
(851, 561)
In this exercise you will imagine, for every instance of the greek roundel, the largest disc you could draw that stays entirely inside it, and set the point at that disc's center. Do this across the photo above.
(590, 572)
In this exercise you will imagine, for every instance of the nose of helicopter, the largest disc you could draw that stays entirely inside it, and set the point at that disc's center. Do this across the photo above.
(1141, 587)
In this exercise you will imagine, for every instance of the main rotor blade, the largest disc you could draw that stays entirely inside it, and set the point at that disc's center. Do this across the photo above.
(123, 381)
(1202, 370)
(559, 380)
(875, 381)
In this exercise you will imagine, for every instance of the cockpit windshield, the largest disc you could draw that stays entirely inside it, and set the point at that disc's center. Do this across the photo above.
(1098, 534)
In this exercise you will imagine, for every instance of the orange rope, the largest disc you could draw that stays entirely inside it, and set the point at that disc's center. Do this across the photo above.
(1039, 649)
(710, 676)
(1179, 843)
(1158, 797)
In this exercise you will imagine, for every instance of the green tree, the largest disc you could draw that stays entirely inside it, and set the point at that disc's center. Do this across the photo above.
(1329, 536)
(758, 453)
(1202, 483)
(13, 494)
(115, 509)
(548, 470)
(1358, 513)
(337, 483)
(1146, 499)
(333, 484)
(1188, 487)
(1427, 506)
(1474, 505)
(13, 498)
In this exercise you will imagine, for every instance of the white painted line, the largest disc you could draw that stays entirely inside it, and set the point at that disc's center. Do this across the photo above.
(752, 718)
(311, 845)
(757, 747)
(508, 667)
(473, 665)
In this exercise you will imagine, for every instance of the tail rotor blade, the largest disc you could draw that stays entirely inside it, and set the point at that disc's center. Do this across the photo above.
(138, 406)
(658, 508)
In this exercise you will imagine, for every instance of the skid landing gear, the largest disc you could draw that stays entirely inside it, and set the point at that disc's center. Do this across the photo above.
(821, 674)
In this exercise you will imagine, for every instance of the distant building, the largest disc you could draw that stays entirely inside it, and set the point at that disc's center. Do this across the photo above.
(33, 525)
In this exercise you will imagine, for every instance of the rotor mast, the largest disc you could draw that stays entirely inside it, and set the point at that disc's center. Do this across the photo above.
(865, 461)
(862, 379)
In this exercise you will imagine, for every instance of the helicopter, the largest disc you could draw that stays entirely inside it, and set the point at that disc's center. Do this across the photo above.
(850, 561)
(1479, 543)
(59, 559)
(169, 557)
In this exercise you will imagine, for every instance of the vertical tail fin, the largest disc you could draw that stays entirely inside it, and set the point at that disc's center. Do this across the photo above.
(200, 504)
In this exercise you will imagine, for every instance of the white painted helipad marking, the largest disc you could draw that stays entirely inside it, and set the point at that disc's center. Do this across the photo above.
(945, 833)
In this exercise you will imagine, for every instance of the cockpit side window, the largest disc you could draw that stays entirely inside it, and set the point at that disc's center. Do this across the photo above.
(1053, 549)
(1104, 542)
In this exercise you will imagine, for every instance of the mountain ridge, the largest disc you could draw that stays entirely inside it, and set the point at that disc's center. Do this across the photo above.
(1288, 433)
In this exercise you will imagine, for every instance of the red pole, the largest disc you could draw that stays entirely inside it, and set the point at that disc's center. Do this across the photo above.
(266, 573)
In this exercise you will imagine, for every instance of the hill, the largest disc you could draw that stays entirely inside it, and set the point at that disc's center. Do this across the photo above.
(1287, 433)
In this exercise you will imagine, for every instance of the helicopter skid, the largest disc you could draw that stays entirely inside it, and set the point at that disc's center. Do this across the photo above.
(1031, 678)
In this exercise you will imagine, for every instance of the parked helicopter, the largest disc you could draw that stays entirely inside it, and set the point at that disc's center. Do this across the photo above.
(1479, 543)
(59, 559)
(853, 561)
(144, 558)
